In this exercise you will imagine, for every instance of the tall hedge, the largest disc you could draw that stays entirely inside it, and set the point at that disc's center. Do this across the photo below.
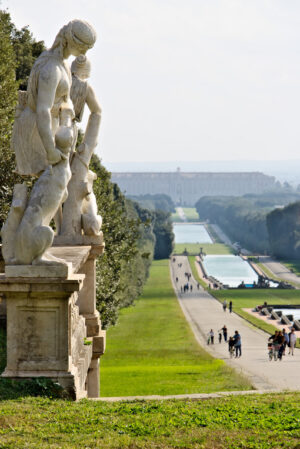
(123, 268)
(284, 231)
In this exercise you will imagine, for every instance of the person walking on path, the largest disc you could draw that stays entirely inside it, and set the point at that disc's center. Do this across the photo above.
(230, 306)
(237, 344)
(224, 329)
(211, 336)
(224, 305)
(293, 340)
(286, 339)
(220, 335)
(280, 341)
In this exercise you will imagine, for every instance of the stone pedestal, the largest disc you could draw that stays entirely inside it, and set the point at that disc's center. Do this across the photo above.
(53, 328)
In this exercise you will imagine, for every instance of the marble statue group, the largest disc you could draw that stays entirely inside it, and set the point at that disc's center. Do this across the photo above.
(44, 141)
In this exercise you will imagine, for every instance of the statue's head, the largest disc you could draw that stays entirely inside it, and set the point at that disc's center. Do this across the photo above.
(81, 67)
(75, 38)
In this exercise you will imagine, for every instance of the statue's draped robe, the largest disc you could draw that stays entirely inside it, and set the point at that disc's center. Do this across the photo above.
(31, 157)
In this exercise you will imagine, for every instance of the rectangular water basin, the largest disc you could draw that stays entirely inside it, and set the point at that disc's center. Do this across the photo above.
(230, 270)
(191, 233)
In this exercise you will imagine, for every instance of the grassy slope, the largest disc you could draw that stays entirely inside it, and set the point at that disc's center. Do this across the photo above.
(152, 349)
(175, 217)
(208, 248)
(191, 213)
(241, 422)
(293, 265)
(192, 261)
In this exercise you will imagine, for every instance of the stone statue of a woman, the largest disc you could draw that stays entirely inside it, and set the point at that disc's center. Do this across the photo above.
(37, 119)
(42, 139)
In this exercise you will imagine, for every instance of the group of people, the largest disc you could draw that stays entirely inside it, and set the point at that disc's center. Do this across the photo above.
(187, 287)
(225, 306)
(279, 341)
(234, 342)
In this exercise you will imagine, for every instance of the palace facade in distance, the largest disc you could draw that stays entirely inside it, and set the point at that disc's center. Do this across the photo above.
(185, 188)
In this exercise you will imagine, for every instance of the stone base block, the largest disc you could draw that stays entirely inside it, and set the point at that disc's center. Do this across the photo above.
(93, 324)
(38, 271)
(99, 343)
(65, 240)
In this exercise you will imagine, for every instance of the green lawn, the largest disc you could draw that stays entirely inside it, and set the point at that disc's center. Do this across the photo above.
(175, 217)
(293, 265)
(152, 349)
(208, 248)
(192, 260)
(213, 234)
(191, 213)
(242, 422)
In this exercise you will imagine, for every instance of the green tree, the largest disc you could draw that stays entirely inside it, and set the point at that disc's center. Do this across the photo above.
(26, 50)
(120, 273)
(18, 53)
(284, 231)
(163, 230)
(8, 98)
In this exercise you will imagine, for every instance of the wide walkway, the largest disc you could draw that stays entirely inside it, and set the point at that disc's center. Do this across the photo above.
(204, 312)
(279, 270)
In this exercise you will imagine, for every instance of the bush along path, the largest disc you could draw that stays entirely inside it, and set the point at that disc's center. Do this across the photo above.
(204, 312)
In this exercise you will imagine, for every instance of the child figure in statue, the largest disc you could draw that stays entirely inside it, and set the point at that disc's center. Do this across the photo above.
(80, 215)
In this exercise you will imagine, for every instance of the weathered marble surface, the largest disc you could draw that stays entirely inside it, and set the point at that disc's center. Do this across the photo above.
(50, 319)
(80, 214)
(42, 139)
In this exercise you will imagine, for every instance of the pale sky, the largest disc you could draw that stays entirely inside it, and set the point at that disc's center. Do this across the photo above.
(187, 80)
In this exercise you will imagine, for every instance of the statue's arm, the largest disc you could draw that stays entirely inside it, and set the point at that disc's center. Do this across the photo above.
(92, 102)
(91, 133)
(48, 82)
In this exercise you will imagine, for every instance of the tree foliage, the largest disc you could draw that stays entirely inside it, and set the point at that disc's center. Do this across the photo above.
(284, 231)
(161, 206)
(163, 230)
(123, 268)
(8, 97)
(18, 52)
(159, 201)
(244, 218)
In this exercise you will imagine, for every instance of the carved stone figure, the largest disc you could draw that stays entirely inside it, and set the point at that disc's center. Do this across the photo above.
(80, 209)
(34, 235)
(91, 221)
(42, 146)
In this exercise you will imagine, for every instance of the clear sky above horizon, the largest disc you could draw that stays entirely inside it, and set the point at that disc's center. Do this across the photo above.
(193, 80)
